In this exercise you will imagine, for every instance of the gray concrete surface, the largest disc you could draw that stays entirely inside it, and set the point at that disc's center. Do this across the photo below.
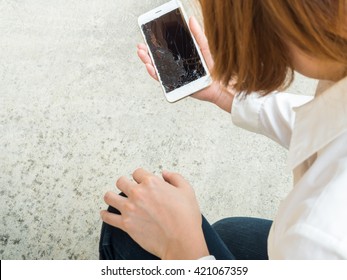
(77, 110)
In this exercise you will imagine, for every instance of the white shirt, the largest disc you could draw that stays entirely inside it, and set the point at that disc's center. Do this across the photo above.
(311, 222)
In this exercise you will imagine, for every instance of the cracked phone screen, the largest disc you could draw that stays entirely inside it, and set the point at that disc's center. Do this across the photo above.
(174, 52)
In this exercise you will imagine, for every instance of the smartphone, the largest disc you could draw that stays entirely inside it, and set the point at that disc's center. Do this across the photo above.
(177, 59)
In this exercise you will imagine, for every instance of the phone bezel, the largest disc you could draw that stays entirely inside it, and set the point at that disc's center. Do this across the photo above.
(187, 89)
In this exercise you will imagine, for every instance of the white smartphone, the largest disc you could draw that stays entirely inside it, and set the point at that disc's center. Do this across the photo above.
(177, 59)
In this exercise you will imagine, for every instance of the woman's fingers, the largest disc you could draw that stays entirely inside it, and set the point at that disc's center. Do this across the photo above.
(125, 185)
(151, 71)
(112, 219)
(115, 200)
(175, 179)
(142, 46)
(118, 202)
(142, 53)
(140, 175)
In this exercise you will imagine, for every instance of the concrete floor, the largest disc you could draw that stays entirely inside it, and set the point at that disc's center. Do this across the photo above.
(77, 110)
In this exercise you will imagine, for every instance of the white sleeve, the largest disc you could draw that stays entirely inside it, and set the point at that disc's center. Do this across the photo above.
(304, 242)
(208, 258)
(272, 115)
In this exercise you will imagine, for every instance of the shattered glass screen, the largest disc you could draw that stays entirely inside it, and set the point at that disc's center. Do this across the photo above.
(173, 50)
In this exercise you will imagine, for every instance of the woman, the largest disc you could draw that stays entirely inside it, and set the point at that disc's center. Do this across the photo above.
(254, 47)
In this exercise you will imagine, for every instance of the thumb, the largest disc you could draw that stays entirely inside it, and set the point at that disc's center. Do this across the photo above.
(175, 179)
(201, 39)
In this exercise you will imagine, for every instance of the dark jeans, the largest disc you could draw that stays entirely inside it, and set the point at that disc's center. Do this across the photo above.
(239, 238)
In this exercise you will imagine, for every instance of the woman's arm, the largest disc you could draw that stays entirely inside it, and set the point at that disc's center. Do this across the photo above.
(272, 115)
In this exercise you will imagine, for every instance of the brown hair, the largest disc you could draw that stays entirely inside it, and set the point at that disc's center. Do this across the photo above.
(247, 38)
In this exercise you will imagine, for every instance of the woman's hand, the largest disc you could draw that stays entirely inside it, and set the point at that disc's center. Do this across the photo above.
(215, 93)
(161, 214)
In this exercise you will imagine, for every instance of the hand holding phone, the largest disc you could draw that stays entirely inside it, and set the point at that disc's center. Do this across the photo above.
(209, 93)
(178, 63)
